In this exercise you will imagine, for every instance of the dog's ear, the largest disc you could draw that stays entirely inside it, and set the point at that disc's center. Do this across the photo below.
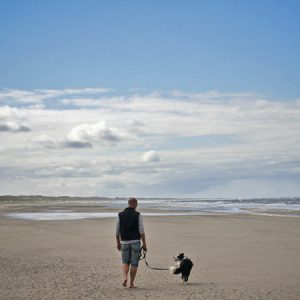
(180, 256)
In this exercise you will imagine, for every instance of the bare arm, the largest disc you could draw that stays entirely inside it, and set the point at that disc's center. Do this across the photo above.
(142, 232)
(118, 234)
(144, 241)
(118, 242)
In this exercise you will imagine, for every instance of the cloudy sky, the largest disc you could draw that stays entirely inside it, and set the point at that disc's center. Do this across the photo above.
(113, 99)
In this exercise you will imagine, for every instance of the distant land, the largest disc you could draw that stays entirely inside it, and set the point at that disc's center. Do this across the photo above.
(36, 198)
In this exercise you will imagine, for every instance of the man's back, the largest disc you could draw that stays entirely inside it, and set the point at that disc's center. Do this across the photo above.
(129, 224)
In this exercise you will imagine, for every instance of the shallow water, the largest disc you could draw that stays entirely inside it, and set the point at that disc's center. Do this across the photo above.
(67, 215)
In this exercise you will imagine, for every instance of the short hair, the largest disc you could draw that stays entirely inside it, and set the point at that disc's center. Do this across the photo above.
(132, 201)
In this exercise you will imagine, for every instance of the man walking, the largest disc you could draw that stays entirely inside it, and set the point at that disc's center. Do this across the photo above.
(129, 232)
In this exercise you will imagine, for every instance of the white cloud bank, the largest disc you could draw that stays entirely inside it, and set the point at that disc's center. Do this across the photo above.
(95, 141)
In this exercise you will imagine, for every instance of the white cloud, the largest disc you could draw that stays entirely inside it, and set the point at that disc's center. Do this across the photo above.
(83, 91)
(85, 135)
(86, 102)
(7, 112)
(12, 120)
(39, 95)
(151, 156)
(46, 141)
(13, 127)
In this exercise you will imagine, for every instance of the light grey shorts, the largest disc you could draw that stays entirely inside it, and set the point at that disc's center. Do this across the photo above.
(131, 253)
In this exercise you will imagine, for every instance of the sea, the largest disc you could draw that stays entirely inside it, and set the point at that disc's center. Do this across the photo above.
(161, 207)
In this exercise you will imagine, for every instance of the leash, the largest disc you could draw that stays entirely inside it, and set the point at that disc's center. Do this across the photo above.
(143, 257)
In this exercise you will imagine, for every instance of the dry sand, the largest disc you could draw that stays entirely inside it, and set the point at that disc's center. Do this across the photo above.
(235, 257)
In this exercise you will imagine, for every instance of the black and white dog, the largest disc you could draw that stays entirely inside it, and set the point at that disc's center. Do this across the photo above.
(184, 266)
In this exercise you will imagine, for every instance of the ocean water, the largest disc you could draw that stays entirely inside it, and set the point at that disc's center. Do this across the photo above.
(211, 205)
(169, 207)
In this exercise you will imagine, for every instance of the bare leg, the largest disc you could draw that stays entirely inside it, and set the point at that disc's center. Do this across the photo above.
(133, 271)
(125, 269)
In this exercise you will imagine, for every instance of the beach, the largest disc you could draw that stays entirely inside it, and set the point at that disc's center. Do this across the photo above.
(235, 256)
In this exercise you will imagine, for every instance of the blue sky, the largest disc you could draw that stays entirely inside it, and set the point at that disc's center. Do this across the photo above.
(150, 98)
(231, 46)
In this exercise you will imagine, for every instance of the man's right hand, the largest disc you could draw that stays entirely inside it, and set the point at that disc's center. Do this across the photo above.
(144, 248)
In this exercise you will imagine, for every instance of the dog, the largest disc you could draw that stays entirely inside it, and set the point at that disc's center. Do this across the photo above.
(184, 267)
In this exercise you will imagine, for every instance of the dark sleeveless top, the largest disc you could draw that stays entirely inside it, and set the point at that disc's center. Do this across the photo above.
(129, 224)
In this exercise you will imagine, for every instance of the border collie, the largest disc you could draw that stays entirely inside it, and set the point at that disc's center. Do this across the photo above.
(184, 267)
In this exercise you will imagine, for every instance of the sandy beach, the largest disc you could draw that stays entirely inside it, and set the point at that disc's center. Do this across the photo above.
(235, 257)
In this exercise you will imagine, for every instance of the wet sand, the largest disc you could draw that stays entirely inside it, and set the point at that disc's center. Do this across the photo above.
(235, 257)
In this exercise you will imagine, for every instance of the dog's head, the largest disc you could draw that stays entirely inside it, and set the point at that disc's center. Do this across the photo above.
(179, 257)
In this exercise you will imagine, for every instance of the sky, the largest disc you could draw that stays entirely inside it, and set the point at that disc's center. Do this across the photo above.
(150, 98)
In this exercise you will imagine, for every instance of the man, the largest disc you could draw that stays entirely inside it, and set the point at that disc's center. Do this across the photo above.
(129, 232)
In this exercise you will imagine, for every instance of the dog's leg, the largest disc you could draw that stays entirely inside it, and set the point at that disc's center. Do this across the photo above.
(178, 270)
(175, 270)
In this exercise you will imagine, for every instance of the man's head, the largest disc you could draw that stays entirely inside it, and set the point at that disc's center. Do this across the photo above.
(132, 202)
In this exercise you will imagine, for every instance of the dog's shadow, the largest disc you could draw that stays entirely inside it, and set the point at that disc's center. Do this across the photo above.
(200, 284)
